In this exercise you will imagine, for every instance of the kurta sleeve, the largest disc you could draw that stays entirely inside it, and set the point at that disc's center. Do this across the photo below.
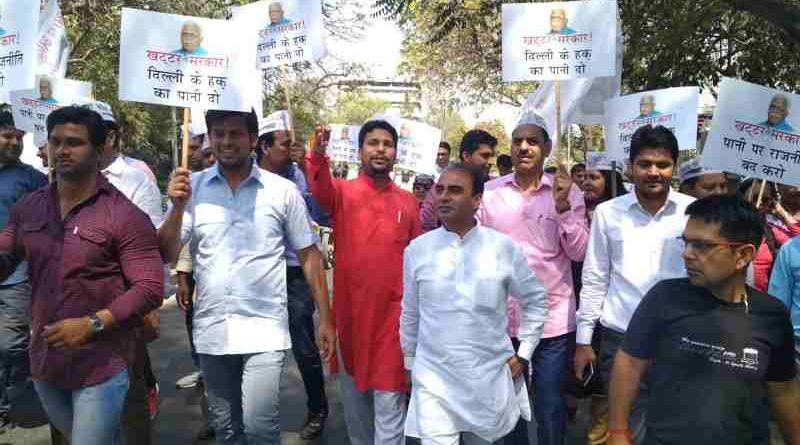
(320, 182)
(533, 302)
(596, 277)
(409, 315)
(573, 230)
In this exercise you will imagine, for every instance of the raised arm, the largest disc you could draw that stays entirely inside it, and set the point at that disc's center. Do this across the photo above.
(170, 232)
(318, 173)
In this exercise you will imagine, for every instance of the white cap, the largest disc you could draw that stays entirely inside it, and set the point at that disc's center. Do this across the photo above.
(276, 121)
(103, 109)
(600, 160)
(692, 169)
(531, 117)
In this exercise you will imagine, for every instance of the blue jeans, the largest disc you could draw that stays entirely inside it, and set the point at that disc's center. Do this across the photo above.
(14, 327)
(304, 344)
(244, 396)
(551, 364)
(88, 416)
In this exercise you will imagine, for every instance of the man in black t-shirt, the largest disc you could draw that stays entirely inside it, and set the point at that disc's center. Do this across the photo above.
(714, 349)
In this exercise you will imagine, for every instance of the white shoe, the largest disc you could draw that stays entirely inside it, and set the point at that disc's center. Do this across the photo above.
(189, 381)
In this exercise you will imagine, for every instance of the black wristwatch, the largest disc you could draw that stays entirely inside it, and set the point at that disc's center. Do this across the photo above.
(96, 324)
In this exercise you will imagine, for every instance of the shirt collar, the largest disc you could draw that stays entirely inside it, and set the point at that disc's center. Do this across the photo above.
(511, 180)
(669, 204)
(255, 174)
(116, 167)
(472, 233)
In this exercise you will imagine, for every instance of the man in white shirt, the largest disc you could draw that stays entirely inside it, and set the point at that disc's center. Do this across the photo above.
(143, 193)
(633, 244)
(466, 378)
(236, 218)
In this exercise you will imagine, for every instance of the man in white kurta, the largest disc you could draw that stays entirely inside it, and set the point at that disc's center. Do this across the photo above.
(453, 322)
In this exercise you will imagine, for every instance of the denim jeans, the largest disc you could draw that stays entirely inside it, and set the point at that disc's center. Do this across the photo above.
(551, 362)
(14, 336)
(88, 416)
(244, 396)
(304, 345)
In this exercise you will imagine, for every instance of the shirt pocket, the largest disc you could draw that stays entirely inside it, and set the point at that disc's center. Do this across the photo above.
(490, 293)
(544, 231)
(209, 226)
(93, 245)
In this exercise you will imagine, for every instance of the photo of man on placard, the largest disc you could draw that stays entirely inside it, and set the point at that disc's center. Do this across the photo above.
(559, 21)
(778, 112)
(191, 40)
(647, 106)
(276, 15)
(46, 91)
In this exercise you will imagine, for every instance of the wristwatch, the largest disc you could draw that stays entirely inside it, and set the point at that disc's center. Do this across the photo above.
(96, 324)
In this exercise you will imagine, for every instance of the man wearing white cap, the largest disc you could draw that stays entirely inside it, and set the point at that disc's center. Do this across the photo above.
(698, 181)
(545, 215)
(274, 155)
(142, 192)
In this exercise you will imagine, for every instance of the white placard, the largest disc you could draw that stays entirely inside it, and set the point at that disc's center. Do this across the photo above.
(343, 145)
(52, 46)
(186, 61)
(417, 147)
(674, 108)
(289, 31)
(31, 107)
(19, 22)
(755, 133)
(561, 40)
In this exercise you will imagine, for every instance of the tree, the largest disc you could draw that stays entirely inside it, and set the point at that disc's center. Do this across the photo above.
(354, 107)
(498, 130)
(456, 44)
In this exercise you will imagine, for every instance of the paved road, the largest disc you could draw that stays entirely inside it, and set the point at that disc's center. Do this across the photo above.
(179, 416)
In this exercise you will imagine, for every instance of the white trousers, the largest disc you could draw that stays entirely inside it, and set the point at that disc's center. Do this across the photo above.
(372, 417)
(453, 439)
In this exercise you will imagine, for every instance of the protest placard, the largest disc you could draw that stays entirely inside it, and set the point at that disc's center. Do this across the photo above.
(557, 41)
(52, 46)
(673, 108)
(186, 61)
(343, 145)
(417, 146)
(19, 22)
(289, 31)
(754, 133)
(32, 106)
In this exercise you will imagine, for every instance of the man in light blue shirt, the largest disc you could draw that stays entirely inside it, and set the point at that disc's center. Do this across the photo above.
(784, 284)
(236, 218)
(16, 180)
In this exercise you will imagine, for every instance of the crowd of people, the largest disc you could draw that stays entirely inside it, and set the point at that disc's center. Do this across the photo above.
(456, 306)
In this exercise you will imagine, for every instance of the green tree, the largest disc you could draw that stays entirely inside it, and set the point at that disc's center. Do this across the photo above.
(498, 130)
(456, 45)
(354, 107)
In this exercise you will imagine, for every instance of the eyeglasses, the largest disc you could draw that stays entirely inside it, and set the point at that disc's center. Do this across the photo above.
(703, 247)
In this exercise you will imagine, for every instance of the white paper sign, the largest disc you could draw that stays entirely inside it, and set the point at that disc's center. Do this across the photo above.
(556, 41)
(31, 107)
(674, 108)
(185, 61)
(19, 22)
(289, 31)
(343, 145)
(417, 146)
(755, 133)
(52, 46)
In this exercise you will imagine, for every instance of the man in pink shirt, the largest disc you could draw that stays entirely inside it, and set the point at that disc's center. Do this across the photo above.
(545, 215)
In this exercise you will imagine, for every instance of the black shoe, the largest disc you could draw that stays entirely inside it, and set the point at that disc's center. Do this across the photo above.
(315, 423)
(205, 435)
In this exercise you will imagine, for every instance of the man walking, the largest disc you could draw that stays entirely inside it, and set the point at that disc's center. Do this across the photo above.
(16, 180)
(235, 218)
(95, 271)
(545, 215)
(373, 222)
(274, 156)
(453, 324)
(633, 245)
(715, 350)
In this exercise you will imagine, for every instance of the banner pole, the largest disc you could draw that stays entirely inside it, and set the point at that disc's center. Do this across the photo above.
(187, 115)
(286, 92)
(761, 192)
(558, 119)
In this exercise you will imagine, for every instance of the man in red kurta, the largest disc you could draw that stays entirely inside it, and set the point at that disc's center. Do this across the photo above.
(374, 221)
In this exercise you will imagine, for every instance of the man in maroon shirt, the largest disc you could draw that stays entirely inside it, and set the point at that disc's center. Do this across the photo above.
(95, 270)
